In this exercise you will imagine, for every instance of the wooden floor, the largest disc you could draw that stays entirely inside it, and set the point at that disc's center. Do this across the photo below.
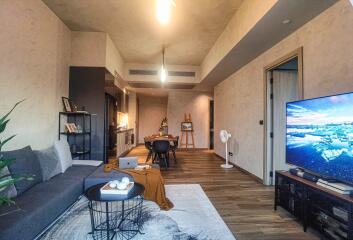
(245, 205)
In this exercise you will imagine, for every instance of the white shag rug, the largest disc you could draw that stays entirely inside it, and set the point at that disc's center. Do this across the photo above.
(192, 218)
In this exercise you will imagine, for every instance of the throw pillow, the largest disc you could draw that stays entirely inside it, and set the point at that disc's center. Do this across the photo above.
(62, 150)
(26, 164)
(9, 191)
(49, 162)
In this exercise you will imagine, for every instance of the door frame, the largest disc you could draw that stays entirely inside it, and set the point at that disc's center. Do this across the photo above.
(297, 53)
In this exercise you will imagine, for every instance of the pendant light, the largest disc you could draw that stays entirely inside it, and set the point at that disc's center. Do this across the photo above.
(163, 70)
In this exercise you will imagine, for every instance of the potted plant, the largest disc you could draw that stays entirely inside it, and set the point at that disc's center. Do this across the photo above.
(6, 179)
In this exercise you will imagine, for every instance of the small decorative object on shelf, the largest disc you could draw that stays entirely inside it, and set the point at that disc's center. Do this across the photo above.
(79, 128)
(163, 130)
(76, 126)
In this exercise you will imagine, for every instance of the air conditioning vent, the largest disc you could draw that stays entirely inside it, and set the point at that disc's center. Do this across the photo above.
(143, 72)
(155, 73)
(159, 85)
(181, 74)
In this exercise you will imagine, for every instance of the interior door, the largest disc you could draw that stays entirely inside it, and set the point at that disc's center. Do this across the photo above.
(285, 90)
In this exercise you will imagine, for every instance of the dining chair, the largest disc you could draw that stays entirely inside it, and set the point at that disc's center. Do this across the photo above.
(148, 145)
(174, 147)
(161, 149)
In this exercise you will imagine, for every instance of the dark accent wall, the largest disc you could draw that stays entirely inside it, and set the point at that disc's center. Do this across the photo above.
(87, 90)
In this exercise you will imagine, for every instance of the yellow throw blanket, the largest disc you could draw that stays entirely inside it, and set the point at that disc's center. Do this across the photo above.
(151, 179)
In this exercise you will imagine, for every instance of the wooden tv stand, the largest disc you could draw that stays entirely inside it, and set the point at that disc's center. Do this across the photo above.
(328, 212)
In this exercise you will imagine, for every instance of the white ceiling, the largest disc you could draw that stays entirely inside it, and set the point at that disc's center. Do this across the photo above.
(194, 27)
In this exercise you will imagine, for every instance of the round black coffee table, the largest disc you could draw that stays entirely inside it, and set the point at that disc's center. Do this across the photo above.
(113, 215)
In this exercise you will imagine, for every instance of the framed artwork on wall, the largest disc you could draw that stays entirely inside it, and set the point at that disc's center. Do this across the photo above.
(186, 126)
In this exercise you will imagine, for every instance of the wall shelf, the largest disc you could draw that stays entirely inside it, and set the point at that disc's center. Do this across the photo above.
(80, 142)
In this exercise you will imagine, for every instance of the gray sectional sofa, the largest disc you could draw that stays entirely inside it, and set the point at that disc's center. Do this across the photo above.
(58, 181)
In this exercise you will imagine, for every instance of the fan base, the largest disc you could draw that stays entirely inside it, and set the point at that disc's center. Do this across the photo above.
(227, 166)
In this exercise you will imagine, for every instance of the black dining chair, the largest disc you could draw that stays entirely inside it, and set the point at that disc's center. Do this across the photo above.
(148, 145)
(161, 149)
(174, 147)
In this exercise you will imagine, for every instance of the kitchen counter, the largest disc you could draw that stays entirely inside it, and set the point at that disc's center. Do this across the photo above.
(125, 141)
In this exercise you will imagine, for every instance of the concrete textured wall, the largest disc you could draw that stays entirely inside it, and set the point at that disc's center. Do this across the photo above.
(152, 110)
(88, 49)
(113, 60)
(198, 105)
(239, 100)
(95, 49)
(34, 64)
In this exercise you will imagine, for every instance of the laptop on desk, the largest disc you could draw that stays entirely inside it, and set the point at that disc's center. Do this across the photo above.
(128, 162)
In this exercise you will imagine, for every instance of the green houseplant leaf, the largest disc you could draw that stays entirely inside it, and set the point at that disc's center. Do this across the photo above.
(7, 114)
(6, 179)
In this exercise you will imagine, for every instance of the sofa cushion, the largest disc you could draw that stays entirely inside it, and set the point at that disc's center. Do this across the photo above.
(38, 207)
(26, 164)
(62, 150)
(49, 162)
(10, 190)
(78, 173)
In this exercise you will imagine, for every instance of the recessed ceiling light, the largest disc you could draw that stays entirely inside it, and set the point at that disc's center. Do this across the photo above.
(286, 21)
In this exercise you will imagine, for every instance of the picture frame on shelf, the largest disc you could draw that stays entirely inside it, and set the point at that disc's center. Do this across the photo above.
(68, 128)
(67, 104)
(187, 127)
(71, 127)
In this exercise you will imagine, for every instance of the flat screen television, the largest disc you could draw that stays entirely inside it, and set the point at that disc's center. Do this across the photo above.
(319, 136)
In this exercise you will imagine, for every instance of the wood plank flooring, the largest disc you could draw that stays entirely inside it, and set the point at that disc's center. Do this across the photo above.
(245, 205)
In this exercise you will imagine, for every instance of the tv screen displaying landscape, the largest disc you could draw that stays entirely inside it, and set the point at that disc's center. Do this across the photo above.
(320, 136)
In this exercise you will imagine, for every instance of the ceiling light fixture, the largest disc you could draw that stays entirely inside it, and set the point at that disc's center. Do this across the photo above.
(164, 9)
(163, 70)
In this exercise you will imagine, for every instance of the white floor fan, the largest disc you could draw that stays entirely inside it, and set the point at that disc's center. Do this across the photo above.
(225, 136)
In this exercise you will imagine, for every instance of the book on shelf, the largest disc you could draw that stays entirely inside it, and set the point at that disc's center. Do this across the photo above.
(107, 189)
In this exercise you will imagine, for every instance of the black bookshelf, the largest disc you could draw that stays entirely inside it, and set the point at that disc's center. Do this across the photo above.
(80, 142)
(326, 211)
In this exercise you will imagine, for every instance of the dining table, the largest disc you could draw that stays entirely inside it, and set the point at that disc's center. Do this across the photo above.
(155, 137)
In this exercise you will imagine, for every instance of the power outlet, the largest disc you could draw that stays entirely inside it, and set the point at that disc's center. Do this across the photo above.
(230, 154)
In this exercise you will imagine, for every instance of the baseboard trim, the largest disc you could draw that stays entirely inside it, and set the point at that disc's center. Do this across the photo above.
(242, 170)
